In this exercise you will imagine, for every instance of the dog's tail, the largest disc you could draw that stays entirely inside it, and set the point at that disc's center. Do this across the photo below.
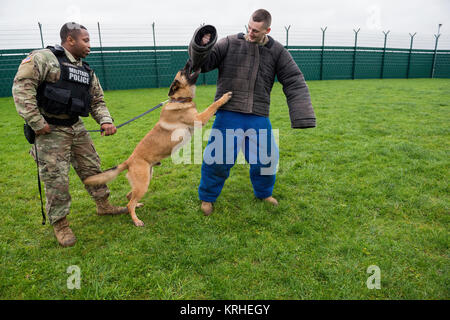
(106, 176)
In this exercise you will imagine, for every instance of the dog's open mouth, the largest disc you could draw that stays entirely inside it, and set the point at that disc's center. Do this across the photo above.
(191, 76)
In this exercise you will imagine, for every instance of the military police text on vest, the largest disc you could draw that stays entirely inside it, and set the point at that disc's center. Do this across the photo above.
(78, 75)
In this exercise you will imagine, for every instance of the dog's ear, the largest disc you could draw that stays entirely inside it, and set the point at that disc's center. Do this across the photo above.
(174, 87)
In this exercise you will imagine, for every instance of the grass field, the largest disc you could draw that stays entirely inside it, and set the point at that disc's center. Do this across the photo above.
(368, 186)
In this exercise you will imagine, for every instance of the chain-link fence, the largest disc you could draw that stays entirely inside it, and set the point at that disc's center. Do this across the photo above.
(148, 56)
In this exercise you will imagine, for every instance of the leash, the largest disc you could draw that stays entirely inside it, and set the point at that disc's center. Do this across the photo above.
(135, 118)
(30, 136)
(39, 184)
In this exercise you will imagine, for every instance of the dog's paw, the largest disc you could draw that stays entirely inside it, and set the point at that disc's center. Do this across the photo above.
(138, 223)
(226, 97)
(139, 205)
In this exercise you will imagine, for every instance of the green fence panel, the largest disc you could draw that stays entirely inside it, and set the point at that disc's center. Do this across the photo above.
(337, 64)
(127, 70)
(368, 64)
(442, 65)
(395, 64)
(152, 67)
(308, 61)
(9, 62)
(421, 64)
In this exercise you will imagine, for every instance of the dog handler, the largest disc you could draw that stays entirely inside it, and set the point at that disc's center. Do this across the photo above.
(247, 66)
(53, 87)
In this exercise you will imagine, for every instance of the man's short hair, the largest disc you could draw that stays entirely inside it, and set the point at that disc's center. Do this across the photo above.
(264, 16)
(72, 29)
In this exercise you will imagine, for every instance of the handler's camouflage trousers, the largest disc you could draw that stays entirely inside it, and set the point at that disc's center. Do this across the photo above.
(56, 151)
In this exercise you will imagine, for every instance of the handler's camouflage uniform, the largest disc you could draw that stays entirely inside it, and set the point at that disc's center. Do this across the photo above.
(65, 144)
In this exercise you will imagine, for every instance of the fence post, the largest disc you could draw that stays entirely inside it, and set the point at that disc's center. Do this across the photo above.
(435, 52)
(410, 52)
(40, 31)
(103, 59)
(354, 53)
(323, 51)
(156, 56)
(384, 54)
(287, 36)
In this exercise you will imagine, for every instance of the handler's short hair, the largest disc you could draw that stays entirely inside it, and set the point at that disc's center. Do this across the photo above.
(72, 29)
(262, 15)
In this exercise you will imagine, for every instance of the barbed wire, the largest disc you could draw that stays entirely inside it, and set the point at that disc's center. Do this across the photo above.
(29, 36)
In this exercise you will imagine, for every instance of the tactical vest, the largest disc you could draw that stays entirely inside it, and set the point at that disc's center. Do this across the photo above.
(70, 94)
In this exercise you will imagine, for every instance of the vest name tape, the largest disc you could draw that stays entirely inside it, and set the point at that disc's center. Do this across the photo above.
(78, 75)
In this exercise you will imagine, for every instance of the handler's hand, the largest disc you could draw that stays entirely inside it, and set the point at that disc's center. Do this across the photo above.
(206, 38)
(46, 129)
(108, 129)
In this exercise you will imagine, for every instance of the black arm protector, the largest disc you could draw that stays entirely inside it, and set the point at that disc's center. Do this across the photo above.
(198, 53)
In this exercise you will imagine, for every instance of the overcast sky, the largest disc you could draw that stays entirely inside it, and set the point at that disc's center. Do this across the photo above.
(175, 17)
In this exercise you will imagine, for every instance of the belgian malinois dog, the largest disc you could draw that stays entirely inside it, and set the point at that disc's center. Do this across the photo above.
(180, 113)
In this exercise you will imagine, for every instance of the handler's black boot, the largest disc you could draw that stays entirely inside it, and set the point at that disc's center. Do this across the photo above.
(105, 208)
(63, 233)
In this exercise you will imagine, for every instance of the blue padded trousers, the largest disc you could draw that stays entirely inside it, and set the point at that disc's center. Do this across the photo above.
(231, 132)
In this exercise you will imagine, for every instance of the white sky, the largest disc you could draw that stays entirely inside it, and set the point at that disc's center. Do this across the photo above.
(129, 22)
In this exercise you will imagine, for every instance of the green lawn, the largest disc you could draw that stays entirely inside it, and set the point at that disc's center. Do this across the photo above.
(368, 186)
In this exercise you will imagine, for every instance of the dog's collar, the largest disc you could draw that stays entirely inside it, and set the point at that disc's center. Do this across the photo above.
(181, 100)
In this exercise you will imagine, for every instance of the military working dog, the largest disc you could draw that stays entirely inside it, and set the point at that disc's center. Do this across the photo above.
(180, 113)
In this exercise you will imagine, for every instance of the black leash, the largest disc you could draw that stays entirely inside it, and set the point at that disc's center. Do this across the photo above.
(135, 118)
(39, 185)
(31, 138)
